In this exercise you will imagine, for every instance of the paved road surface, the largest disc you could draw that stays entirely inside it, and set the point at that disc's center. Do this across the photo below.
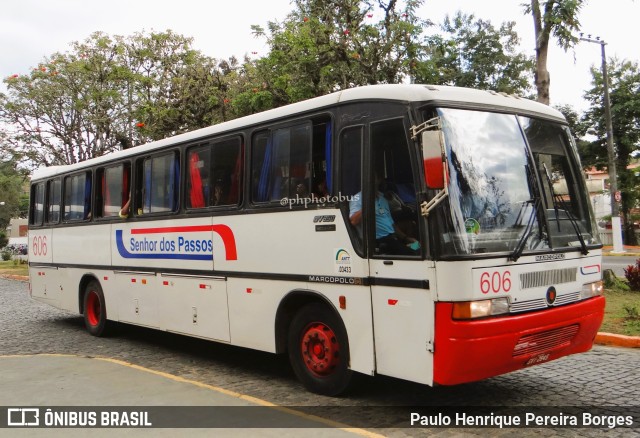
(606, 377)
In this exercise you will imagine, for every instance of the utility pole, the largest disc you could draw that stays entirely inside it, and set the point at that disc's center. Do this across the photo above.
(616, 223)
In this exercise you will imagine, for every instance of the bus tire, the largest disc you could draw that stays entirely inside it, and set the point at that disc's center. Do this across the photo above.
(319, 350)
(95, 310)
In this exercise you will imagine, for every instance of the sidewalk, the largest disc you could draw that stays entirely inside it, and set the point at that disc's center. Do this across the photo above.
(114, 393)
(631, 251)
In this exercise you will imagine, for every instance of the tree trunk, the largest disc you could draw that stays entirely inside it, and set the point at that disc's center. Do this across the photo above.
(542, 78)
(542, 33)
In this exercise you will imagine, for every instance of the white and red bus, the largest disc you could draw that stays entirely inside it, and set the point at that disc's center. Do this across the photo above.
(244, 233)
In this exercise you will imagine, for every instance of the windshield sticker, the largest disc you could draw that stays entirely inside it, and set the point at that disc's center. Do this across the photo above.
(342, 261)
(472, 226)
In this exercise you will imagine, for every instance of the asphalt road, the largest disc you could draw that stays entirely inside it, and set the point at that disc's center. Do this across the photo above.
(618, 263)
(603, 380)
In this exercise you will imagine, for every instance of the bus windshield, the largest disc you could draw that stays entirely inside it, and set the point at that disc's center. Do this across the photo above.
(514, 186)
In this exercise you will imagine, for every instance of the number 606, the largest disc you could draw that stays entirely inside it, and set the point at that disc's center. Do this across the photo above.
(495, 282)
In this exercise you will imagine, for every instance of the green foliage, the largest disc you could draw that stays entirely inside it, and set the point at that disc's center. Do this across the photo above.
(12, 181)
(109, 93)
(113, 92)
(624, 86)
(6, 255)
(632, 274)
(327, 45)
(632, 312)
(473, 53)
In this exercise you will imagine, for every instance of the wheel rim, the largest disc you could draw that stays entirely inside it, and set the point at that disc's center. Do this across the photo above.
(320, 349)
(93, 308)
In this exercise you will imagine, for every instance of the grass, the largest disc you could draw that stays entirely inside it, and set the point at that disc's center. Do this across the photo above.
(620, 317)
(12, 267)
(621, 311)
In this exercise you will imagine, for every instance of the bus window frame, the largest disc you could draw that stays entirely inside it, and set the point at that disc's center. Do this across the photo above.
(360, 243)
(32, 203)
(186, 172)
(89, 171)
(312, 120)
(369, 196)
(138, 183)
(98, 195)
(47, 202)
(271, 130)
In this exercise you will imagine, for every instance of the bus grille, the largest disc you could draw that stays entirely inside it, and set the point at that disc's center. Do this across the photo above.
(545, 341)
(547, 278)
(541, 303)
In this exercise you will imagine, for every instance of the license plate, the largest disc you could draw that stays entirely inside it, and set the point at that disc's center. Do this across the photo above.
(543, 357)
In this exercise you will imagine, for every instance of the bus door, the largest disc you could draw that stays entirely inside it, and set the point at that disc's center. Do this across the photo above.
(403, 308)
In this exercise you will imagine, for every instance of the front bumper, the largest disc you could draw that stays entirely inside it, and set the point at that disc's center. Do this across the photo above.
(466, 351)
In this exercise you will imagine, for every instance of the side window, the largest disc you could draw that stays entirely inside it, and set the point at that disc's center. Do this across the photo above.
(37, 204)
(281, 164)
(114, 190)
(350, 177)
(214, 174)
(54, 198)
(158, 184)
(199, 177)
(396, 212)
(77, 197)
(227, 171)
(260, 166)
(321, 183)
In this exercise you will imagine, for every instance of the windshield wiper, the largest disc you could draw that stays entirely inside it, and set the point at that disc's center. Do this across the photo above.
(558, 199)
(517, 252)
(536, 203)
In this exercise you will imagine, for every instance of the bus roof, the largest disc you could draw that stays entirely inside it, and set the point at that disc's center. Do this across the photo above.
(438, 94)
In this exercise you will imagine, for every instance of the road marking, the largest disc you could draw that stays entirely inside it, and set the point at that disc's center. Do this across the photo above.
(251, 399)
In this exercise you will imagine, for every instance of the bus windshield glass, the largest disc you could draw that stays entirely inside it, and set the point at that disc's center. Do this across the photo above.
(514, 186)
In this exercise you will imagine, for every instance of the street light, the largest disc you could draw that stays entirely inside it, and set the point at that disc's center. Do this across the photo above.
(616, 225)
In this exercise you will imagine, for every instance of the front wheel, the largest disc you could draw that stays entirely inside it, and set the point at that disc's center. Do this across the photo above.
(95, 310)
(319, 350)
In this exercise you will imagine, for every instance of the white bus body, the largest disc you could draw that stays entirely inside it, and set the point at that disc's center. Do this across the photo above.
(265, 271)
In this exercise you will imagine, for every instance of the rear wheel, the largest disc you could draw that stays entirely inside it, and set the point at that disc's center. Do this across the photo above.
(95, 310)
(319, 350)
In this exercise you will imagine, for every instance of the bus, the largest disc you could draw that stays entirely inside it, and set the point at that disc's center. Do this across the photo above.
(435, 234)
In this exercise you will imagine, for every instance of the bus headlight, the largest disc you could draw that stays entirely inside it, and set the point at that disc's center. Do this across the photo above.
(591, 290)
(480, 309)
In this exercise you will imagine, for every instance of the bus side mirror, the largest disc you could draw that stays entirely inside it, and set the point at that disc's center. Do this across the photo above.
(433, 159)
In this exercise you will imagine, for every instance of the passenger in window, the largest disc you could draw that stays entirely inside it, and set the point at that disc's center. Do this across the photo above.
(301, 190)
(124, 211)
(403, 214)
(390, 239)
(320, 189)
(219, 193)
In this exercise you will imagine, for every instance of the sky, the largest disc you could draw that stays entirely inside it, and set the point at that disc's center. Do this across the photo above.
(31, 30)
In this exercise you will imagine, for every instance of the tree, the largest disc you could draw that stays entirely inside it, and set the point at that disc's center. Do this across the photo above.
(473, 53)
(328, 45)
(624, 77)
(12, 194)
(105, 94)
(558, 18)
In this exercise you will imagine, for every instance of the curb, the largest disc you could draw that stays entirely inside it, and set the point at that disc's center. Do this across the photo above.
(14, 277)
(617, 340)
(602, 338)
